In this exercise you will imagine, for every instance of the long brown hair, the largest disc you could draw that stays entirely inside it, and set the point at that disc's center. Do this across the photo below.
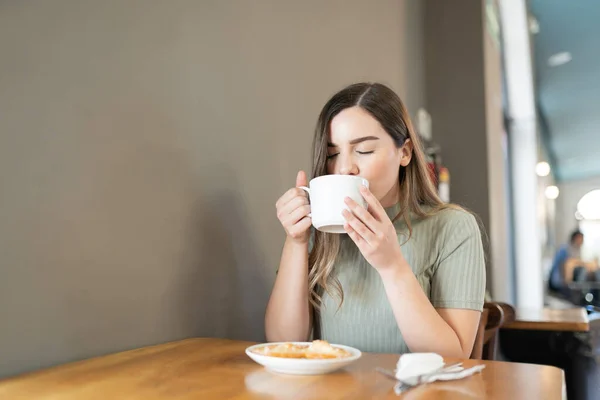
(417, 193)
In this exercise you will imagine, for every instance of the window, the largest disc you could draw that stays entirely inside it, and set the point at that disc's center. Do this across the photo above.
(588, 214)
(588, 207)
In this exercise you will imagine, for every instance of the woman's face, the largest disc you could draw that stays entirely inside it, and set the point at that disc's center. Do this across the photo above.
(358, 145)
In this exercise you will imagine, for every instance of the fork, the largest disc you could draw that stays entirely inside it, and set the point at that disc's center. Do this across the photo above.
(403, 386)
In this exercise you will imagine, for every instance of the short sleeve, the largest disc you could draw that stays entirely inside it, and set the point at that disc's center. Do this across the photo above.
(561, 257)
(458, 280)
(557, 271)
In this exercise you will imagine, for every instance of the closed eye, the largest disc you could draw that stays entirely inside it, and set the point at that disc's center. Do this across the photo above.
(365, 152)
(330, 156)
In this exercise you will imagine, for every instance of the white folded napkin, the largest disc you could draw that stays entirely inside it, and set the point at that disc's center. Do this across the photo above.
(413, 366)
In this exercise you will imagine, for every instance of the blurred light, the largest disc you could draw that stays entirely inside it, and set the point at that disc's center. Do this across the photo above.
(551, 192)
(534, 26)
(559, 59)
(542, 168)
(588, 205)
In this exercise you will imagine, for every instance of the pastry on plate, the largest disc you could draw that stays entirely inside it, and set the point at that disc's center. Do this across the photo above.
(318, 349)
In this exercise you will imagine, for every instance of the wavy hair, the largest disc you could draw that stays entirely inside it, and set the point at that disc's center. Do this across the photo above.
(417, 192)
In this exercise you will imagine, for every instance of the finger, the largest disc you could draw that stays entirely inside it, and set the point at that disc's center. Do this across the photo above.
(301, 227)
(290, 206)
(289, 195)
(296, 215)
(360, 228)
(301, 179)
(375, 207)
(354, 236)
(363, 215)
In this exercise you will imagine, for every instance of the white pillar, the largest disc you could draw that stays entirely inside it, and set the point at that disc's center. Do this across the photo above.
(523, 149)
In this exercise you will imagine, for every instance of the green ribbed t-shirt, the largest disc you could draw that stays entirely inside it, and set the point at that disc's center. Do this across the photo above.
(446, 255)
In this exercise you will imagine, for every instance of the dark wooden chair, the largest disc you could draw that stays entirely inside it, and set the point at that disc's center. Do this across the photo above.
(494, 315)
(490, 337)
(509, 312)
(477, 351)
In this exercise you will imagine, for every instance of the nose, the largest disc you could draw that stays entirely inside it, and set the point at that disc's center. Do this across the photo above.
(347, 166)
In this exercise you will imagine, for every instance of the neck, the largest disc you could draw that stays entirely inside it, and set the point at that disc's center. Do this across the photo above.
(392, 197)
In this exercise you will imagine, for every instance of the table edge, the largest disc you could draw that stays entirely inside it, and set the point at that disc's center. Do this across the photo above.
(31, 374)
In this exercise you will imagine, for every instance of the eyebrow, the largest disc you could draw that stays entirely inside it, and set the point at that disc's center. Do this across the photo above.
(356, 141)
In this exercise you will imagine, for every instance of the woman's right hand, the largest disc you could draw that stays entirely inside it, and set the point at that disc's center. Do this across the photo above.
(293, 209)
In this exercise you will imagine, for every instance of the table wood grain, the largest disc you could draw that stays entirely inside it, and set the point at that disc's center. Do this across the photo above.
(219, 369)
(549, 319)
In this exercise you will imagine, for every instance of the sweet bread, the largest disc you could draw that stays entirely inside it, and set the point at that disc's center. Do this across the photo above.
(318, 349)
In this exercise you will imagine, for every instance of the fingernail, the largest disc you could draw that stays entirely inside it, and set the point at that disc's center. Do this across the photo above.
(347, 199)
(363, 188)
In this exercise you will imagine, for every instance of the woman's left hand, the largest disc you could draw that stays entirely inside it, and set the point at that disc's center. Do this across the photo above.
(373, 232)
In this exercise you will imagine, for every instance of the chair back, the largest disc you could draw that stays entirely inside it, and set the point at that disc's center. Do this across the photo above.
(490, 337)
(477, 351)
(494, 315)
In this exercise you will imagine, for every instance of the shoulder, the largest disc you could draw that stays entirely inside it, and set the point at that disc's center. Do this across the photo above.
(452, 222)
(443, 230)
(453, 228)
(563, 252)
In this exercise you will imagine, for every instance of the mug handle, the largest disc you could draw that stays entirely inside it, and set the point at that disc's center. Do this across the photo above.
(307, 190)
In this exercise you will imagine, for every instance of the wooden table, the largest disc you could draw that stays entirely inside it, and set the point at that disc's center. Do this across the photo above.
(548, 319)
(219, 369)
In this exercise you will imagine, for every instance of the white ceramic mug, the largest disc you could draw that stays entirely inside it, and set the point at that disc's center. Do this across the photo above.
(327, 194)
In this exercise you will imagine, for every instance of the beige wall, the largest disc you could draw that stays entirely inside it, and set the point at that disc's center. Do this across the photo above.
(464, 97)
(142, 147)
(456, 98)
(455, 76)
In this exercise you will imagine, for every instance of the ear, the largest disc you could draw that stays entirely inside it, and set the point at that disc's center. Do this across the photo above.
(407, 150)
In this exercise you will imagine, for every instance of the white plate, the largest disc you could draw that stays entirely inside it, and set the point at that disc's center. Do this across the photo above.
(302, 366)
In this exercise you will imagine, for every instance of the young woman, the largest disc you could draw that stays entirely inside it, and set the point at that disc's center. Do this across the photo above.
(409, 276)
